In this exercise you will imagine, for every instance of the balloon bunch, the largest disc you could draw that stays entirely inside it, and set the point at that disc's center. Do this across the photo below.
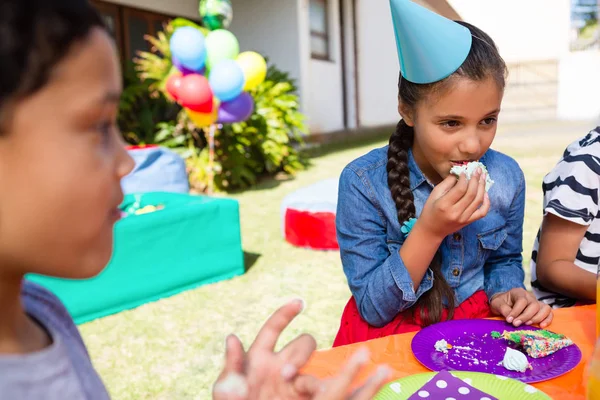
(212, 78)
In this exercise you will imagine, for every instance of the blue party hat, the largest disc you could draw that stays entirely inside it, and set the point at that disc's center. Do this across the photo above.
(430, 47)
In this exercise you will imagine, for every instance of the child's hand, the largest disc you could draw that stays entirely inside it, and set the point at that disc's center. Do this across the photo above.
(519, 306)
(262, 374)
(454, 204)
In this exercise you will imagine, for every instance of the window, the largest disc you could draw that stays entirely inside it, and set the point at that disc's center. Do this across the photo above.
(137, 25)
(128, 27)
(319, 29)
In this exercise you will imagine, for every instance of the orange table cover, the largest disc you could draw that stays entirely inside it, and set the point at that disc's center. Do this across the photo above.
(578, 323)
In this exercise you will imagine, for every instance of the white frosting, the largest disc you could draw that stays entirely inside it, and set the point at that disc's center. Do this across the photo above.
(234, 384)
(470, 169)
(515, 360)
(441, 346)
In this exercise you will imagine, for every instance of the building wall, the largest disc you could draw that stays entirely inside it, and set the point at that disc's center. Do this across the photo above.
(523, 30)
(325, 83)
(579, 85)
(271, 28)
(378, 66)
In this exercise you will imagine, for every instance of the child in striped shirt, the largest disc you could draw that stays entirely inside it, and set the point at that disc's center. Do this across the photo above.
(566, 251)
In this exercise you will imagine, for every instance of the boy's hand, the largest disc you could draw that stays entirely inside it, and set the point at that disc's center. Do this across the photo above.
(263, 374)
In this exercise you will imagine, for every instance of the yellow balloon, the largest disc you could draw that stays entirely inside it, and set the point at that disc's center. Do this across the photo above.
(254, 67)
(202, 120)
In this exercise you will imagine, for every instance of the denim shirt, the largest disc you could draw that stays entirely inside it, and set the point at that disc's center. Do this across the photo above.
(483, 255)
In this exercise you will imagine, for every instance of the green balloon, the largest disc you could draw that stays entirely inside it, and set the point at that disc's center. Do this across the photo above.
(216, 14)
(221, 45)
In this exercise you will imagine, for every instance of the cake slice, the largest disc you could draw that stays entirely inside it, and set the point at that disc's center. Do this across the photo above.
(469, 169)
(536, 343)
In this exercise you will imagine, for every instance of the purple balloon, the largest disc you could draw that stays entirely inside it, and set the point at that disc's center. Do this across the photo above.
(236, 110)
(185, 71)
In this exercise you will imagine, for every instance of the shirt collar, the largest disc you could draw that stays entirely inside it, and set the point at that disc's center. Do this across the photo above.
(416, 175)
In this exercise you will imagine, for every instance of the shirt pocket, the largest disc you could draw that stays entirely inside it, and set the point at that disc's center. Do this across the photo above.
(491, 239)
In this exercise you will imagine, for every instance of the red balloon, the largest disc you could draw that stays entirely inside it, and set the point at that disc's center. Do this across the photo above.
(173, 85)
(195, 93)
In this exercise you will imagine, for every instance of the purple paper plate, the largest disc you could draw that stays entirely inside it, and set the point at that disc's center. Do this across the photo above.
(475, 350)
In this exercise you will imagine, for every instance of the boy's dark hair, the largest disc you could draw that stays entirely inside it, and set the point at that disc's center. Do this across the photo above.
(35, 35)
(483, 62)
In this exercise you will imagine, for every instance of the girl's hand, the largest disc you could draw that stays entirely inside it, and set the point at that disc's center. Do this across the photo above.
(454, 204)
(519, 306)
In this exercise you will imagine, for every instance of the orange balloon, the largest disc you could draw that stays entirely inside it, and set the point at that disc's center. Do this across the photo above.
(202, 120)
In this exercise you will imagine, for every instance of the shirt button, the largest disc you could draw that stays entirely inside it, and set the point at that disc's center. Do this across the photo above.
(456, 272)
(457, 236)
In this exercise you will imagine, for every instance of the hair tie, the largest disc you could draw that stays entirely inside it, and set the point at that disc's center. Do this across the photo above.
(407, 226)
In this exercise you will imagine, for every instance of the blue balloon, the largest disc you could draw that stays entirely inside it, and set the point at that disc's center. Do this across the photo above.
(188, 48)
(185, 71)
(227, 80)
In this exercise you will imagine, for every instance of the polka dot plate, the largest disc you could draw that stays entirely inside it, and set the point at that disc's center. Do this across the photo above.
(495, 385)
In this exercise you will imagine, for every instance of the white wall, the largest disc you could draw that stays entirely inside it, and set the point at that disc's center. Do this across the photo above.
(378, 66)
(270, 27)
(303, 21)
(325, 98)
(579, 85)
(523, 29)
(180, 8)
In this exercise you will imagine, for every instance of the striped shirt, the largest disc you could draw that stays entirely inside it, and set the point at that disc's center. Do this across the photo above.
(571, 192)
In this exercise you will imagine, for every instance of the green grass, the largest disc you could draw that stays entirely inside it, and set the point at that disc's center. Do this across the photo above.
(173, 348)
